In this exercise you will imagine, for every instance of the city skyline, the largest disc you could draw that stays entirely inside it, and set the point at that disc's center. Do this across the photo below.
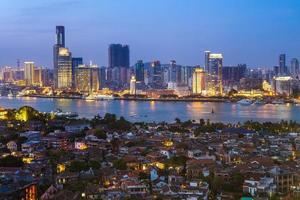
(259, 47)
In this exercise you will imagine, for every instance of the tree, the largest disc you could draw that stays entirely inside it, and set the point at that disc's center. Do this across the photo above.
(100, 134)
(143, 176)
(109, 118)
(177, 120)
(94, 164)
(11, 161)
(77, 166)
(120, 164)
(95, 121)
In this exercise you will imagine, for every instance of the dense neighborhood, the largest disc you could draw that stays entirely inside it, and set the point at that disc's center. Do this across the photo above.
(45, 157)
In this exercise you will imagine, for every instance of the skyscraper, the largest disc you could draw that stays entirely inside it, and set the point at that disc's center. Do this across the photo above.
(59, 43)
(282, 65)
(60, 36)
(156, 72)
(206, 60)
(198, 86)
(214, 74)
(64, 68)
(139, 71)
(118, 57)
(38, 76)
(75, 63)
(294, 70)
(29, 73)
(87, 78)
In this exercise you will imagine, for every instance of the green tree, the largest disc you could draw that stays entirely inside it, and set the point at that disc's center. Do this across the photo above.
(77, 166)
(120, 164)
(11, 161)
(100, 134)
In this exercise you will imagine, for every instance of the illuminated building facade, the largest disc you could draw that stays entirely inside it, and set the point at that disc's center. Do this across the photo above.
(64, 71)
(206, 60)
(198, 86)
(118, 57)
(214, 74)
(294, 70)
(139, 71)
(87, 78)
(75, 63)
(283, 85)
(60, 43)
(156, 72)
(282, 64)
(29, 73)
(133, 85)
(38, 77)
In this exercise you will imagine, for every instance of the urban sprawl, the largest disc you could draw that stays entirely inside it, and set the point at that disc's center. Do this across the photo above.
(59, 155)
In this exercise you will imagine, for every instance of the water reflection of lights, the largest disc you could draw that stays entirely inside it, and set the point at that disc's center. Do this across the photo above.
(152, 105)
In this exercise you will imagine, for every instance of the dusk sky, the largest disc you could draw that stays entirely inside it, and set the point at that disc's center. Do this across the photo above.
(254, 32)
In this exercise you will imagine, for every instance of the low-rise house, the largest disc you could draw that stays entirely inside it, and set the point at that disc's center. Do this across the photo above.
(12, 146)
(31, 135)
(264, 186)
(283, 178)
(30, 146)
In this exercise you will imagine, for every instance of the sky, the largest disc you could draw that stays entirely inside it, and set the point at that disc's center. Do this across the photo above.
(254, 32)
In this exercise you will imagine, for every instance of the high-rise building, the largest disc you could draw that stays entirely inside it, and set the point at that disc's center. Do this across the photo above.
(60, 36)
(198, 86)
(294, 70)
(59, 43)
(64, 68)
(276, 70)
(214, 74)
(232, 74)
(206, 60)
(156, 73)
(118, 57)
(139, 71)
(282, 64)
(75, 63)
(38, 76)
(87, 78)
(133, 85)
(102, 77)
(29, 73)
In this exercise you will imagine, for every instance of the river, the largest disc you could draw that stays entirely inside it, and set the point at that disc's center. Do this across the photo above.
(150, 111)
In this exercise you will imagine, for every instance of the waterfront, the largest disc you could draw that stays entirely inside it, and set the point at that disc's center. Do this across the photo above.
(161, 111)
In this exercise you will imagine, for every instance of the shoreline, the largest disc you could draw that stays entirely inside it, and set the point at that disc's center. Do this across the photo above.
(204, 99)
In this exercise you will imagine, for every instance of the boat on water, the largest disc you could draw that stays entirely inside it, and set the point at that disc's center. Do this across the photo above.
(259, 102)
(278, 101)
(99, 97)
(60, 113)
(10, 94)
(20, 94)
(245, 102)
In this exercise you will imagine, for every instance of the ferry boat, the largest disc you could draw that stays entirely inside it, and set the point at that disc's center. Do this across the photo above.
(278, 101)
(60, 113)
(99, 97)
(245, 102)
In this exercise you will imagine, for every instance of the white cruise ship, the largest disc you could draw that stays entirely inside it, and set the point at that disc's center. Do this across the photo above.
(245, 102)
(99, 97)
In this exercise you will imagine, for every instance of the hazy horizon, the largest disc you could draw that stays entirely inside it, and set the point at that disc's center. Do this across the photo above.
(253, 32)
